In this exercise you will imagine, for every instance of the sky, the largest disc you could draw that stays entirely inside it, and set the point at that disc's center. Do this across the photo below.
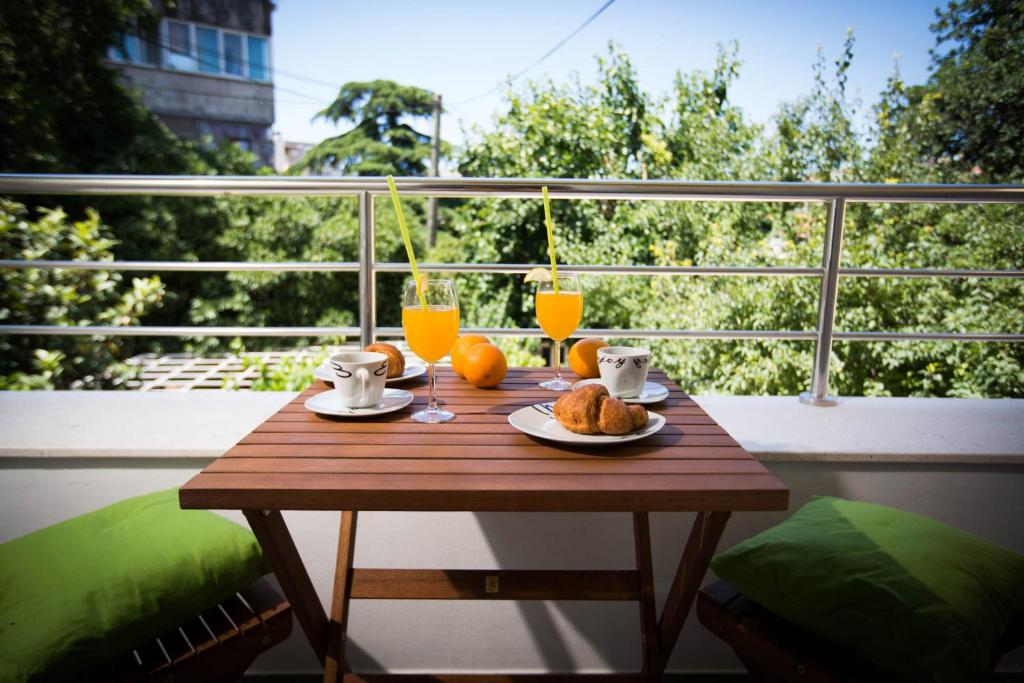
(463, 48)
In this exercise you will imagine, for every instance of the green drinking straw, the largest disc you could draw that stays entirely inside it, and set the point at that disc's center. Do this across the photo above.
(551, 236)
(405, 237)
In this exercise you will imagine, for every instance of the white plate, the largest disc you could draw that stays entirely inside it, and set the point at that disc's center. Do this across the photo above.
(537, 420)
(651, 393)
(328, 403)
(323, 372)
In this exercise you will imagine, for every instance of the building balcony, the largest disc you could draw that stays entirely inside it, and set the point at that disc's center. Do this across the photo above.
(960, 461)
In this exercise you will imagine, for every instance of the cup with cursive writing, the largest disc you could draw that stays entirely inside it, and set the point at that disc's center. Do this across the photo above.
(359, 377)
(623, 369)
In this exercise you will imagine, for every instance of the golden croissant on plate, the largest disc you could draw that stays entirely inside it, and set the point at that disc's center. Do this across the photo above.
(590, 410)
(396, 361)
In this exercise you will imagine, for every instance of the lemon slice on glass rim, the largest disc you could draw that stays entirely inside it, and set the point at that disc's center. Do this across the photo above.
(421, 283)
(539, 275)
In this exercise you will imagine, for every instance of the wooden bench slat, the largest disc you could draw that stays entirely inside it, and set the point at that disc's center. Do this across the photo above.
(193, 653)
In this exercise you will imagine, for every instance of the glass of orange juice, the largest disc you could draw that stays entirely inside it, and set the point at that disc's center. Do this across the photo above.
(430, 318)
(559, 315)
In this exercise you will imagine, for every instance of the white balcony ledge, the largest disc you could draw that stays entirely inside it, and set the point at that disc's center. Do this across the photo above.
(204, 424)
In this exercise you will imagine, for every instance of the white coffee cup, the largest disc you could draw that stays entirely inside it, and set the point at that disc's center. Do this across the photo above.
(623, 369)
(359, 377)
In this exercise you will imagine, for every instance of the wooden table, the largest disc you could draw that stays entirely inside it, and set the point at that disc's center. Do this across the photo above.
(299, 461)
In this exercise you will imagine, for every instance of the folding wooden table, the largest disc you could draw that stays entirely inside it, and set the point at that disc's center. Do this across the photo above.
(299, 461)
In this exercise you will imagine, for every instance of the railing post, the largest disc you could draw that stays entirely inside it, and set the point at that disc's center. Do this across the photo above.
(832, 255)
(367, 279)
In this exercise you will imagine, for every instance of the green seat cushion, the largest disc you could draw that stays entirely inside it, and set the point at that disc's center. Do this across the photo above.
(919, 599)
(78, 593)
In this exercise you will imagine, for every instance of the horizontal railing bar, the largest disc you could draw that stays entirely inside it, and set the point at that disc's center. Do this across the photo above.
(930, 272)
(178, 331)
(188, 266)
(929, 336)
(514, 268)
(505, 268)
(564, 188)
(523, 332)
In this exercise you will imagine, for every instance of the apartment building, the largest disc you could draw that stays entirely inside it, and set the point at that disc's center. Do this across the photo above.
(205, 70)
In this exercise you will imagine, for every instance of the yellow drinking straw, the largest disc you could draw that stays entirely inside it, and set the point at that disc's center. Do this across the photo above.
(408, 243)
(551, 236)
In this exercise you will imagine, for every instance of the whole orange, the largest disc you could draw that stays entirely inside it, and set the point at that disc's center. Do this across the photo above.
(462, 344)
(484, 365)
(583, 357)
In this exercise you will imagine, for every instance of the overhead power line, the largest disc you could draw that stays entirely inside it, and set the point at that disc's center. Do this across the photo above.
(547, 54)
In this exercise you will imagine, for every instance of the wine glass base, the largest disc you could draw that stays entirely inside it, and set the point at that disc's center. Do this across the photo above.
(435, 416)
(557, 384)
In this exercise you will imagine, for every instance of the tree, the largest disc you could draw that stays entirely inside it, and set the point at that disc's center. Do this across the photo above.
(380, 142)
(64, 110)
(612, 128)
(64, 297)
(976, 91)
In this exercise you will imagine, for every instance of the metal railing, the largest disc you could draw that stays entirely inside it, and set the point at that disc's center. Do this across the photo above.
(836, 196)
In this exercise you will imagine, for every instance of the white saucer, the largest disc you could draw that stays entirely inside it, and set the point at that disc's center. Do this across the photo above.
(323, 371)
(328, 403)
(537, 420)
(651, 393)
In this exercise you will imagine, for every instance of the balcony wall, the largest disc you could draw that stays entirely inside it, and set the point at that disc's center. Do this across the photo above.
(961, 461)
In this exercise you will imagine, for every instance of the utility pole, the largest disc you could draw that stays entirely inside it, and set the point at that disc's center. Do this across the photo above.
(435, 152)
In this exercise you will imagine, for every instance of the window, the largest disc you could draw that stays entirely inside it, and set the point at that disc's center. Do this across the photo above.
(233, 59)
(179, 40)
(184, 46)
(259, 61)
(149, 42)
(127, 50)
(209, 52)
(137, 49)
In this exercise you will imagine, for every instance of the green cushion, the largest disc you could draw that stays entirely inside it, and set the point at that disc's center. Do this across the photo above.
(78, 593)
(919, 599)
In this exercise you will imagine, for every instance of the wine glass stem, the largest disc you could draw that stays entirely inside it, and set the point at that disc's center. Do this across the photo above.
(558, 359)
(432, 405)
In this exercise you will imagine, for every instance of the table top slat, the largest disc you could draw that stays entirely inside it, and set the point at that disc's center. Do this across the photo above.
(311, 418)
(298, 460)
(561, 492)
(287, 438)
(365, 450)
(458, 466)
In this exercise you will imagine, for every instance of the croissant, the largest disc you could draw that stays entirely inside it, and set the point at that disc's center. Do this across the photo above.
(580, 410)
(590, 410)
(396, 361)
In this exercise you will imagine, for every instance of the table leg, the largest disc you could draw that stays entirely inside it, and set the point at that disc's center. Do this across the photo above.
(648, 610)
(704, 536)
(335, 666)
(272, 534)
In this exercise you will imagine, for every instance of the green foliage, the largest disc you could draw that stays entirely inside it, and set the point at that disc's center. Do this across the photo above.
(611, 128)
(380, 141)
(976, 91)
(294, 373)
(65, 111)
(963, 125)
(64, 297)
(814, 138)
(276, 229)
